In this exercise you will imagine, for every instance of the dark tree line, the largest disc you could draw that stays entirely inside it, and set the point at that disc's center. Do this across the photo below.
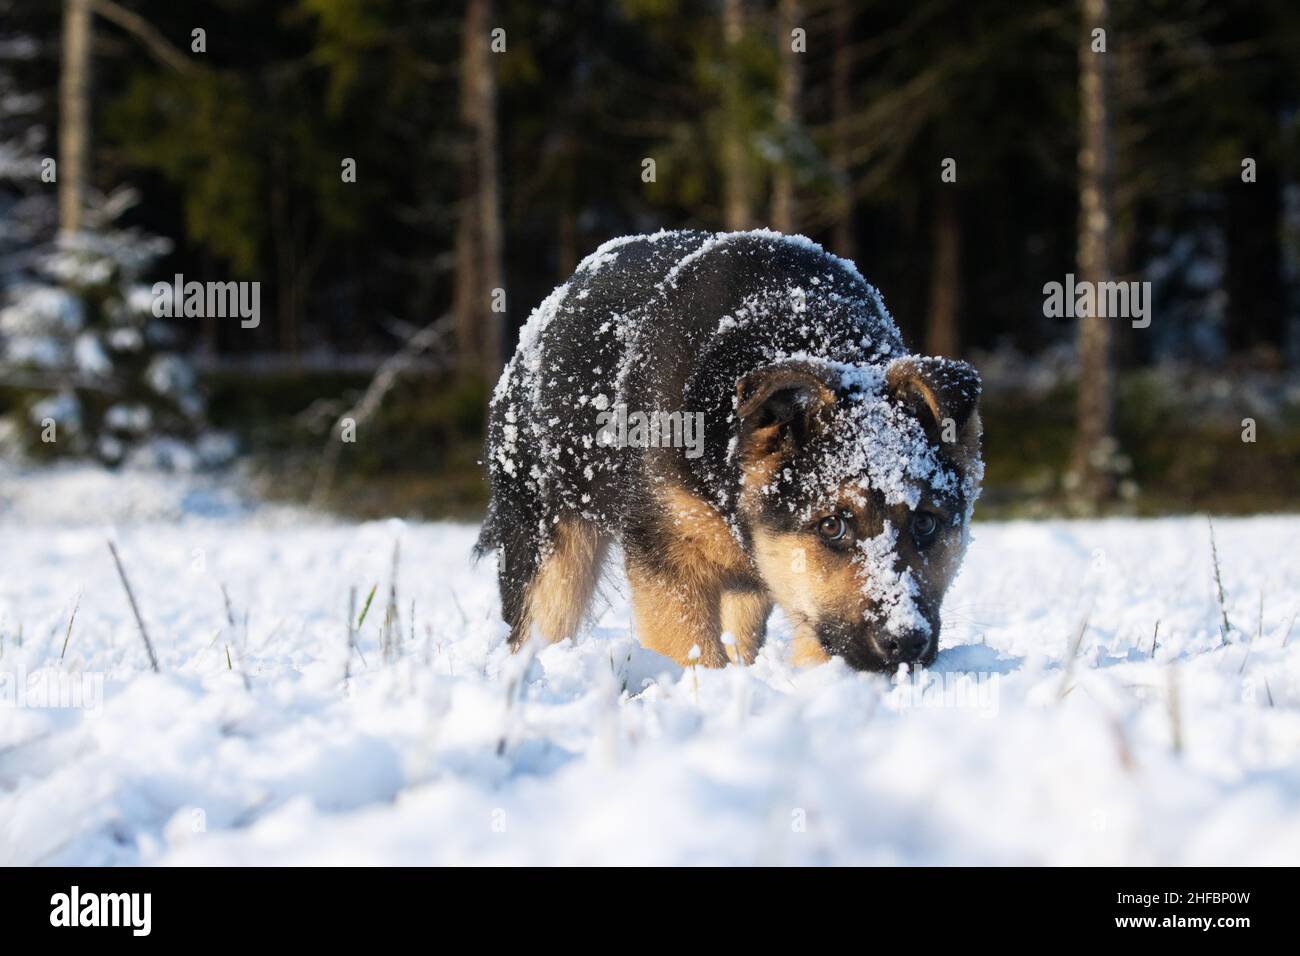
(964, 154)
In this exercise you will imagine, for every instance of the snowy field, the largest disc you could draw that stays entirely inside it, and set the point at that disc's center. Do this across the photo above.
(251, 747)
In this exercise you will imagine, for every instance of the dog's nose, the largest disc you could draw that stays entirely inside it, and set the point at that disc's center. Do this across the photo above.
(905, 648)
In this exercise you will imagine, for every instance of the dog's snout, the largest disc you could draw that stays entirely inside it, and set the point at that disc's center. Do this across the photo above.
(906, 648)
(878, 650)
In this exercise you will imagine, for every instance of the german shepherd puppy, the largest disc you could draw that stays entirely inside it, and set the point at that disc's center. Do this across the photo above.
(739, 411)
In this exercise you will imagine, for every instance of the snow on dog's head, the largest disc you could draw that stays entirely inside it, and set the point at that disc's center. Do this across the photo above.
(858, 486)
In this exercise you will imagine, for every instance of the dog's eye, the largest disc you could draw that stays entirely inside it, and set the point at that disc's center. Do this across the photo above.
(924, 527)
(832, 528)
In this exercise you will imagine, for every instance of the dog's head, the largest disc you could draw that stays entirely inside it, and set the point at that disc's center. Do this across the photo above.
(858, 485)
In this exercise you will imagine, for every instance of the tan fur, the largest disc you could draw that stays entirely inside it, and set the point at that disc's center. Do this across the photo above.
(691, 596)
(811, 583)
(806, 579)
(943, 560)
(682, 607)
(967, 447)
(808, 583)
(744, 615)
(801, 577)
(757, 472)
(757, 387)
(703, 540)
(903, 375)
(563, 585)
(674, 615)
(805, 649)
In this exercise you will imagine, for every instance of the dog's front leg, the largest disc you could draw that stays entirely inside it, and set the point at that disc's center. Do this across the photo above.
(676, 609)
(744, 615)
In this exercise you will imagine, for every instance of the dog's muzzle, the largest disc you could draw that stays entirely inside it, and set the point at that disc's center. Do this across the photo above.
(879, 650)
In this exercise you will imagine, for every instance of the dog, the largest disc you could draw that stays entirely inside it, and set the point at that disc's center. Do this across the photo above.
(834, 473)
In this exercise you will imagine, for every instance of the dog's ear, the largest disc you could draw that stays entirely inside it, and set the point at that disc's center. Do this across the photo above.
(781, 393)
(943, 393)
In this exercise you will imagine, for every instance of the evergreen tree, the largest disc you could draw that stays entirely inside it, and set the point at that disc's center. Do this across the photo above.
(93, 371)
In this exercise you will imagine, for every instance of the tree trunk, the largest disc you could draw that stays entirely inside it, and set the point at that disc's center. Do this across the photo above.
(787, 116)
(480, 331)
(1127, 98)
(1095, 443)
(466, 299)
(74, 113)
(737, 210)
(941, 331)
(841, 109)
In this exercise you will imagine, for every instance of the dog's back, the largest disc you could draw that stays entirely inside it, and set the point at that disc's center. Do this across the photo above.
(662, 323)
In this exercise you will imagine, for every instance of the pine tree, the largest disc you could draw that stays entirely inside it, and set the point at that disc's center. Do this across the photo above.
(93, 371)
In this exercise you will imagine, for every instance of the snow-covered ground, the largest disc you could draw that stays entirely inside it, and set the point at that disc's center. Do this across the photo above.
(606, 753)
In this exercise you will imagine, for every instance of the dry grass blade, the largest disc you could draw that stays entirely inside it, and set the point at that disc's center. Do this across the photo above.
(392, 616)
(464, 618)
(352, 612)
(68, 636)
(1074, 652)
(230, 611)
(135, 609)
(1259, 632)
(1218, 584)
